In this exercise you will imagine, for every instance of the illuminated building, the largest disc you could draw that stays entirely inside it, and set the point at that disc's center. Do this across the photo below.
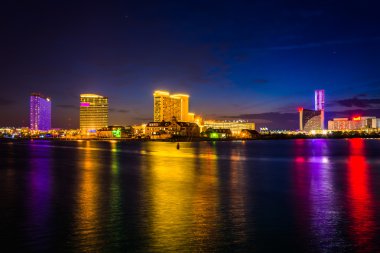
(168, 129)
(249, 134)
(40, 112)
(93, 112)
(236, 126)
(356, 123)
(310, 119)
(319, 104)
(167, 106)
(319, 100)
(115, 132)
(191, 117)
(219, 133)
(198, 120)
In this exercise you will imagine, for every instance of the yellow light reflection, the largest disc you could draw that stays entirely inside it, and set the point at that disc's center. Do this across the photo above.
(115, 193)
(237, 196)
(183, 200)
(87, 213)
(205, 202)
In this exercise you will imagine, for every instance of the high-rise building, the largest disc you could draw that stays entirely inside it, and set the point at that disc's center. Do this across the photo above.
(167, 106)
(319, 104)
(40, 112)
(182, 100)
(93, 112)
(319, 100)
(310, 119)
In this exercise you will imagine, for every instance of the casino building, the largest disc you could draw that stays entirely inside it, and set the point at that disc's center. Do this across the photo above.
(310, 119)
(356, 123)
(40, 112)
(93, 112)
(167, 106)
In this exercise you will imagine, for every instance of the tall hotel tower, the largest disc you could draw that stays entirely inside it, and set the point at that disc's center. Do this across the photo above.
(313, 119)
(166, 106)
(93, 112)
(40, 112)
(319, 101)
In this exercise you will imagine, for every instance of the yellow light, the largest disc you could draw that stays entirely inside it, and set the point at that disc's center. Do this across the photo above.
(160, 92)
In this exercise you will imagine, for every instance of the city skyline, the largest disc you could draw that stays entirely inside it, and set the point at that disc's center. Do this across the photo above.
(254, 61)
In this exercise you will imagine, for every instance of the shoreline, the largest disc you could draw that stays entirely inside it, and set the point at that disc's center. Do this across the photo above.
(262, 138)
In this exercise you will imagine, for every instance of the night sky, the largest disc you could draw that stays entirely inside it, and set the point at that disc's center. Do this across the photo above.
(255, 60)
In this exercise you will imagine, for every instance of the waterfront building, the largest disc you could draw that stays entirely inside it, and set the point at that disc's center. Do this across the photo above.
(310, 120)
(115, 132)
(220, 133)
(249, 134)
(166, 106)
(191, 117)
(356, 123)
(168, 129)
(319, 104)
(236, 126)
(93, 112)
(198, 120)
(40, 112)
(319, 100)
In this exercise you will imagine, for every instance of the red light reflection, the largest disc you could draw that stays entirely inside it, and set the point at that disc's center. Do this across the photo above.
(360, 199)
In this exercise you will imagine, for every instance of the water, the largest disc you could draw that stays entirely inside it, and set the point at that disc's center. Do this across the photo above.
(253, 196)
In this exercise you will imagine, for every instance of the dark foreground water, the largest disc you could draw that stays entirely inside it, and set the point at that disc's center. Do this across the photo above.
(254, 196)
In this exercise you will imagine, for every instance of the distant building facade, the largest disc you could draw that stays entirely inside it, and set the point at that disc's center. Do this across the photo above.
(166, 106)
(40, 112)
(220, 133)
(93, 112)
(249, 134)
(356, 123)
(236, 126)
(115, 132)
(319, 100)
(310, 120)
(167, 129)
(319, 105)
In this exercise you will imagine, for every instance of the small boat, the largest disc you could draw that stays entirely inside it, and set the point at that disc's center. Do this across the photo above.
(178, 145)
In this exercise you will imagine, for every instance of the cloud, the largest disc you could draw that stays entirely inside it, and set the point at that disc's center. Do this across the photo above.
(325, 43)
(142, 119)
(68, 106)
(118, 110)
(375, 112)
(5, 102)
(358, 102)
(273, 120)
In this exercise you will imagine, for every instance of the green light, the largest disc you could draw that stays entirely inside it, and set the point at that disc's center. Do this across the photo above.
(214, 135)
(116, 133)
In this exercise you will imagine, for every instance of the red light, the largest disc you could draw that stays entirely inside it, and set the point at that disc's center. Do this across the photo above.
(300, 109)
(357, 118)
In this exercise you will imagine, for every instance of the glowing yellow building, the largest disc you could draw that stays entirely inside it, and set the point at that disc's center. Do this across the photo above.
(236, 126)
(167, 106)
(93, 112)
(191, 117)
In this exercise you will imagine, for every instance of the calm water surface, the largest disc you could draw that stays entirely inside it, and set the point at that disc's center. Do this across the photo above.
(253, 196)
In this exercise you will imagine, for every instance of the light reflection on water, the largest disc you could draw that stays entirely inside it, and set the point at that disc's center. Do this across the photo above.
(87, 214)
(260, 196)
(360, 199)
